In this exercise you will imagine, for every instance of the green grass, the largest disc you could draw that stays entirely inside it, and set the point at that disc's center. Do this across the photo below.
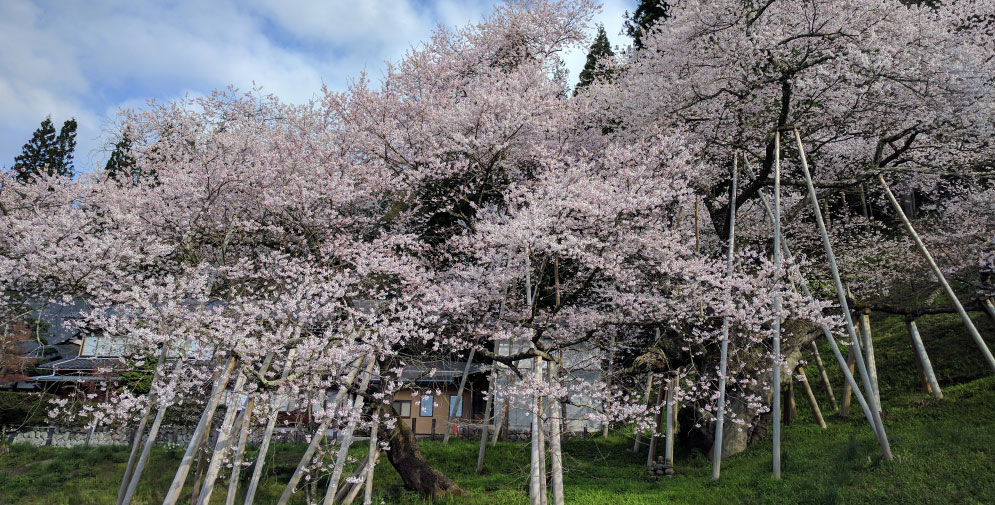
(945, 451)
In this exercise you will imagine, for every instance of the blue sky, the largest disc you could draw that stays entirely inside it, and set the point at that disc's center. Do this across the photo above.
(88, 59)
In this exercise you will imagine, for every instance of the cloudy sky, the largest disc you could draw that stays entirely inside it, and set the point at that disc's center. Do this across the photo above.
(90, 59)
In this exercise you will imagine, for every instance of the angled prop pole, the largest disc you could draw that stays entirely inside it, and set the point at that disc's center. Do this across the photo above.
(846, 365)
(980, 342)
(724, 352)
(776, 411)
(844, 306)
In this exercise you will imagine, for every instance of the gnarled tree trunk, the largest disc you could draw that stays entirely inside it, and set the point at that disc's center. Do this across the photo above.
(418, 474)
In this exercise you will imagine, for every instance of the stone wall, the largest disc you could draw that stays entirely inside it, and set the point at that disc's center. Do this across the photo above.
(58, 436)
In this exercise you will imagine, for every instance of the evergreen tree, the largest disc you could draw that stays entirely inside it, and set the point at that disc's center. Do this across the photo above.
(594, 69)
(121, 166)
(46, 152)
(648, 13)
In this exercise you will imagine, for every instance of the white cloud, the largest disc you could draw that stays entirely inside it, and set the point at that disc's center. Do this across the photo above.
(89, 59)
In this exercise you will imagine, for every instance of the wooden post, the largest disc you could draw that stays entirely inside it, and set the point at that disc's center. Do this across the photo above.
(874, 415)
(459, 398)
(847, 389)
(535, 472)
(243, 437)
(133, 456)
(375, 450)
(824, 376)
(657, 430)
(724, 346)
(555, 451)
(488, 416)
(136, 475)
(980, 342)
(790, 410)
(776, 411)
(608, 381)
(319, 433)
(354, 413)
(140, 431)
(257, 470)
(668, 452)
(646, 400)
(543, 493)
(872, 368)
(989, 308)
(922, 359)
(863, 202)
(173, 494)
(851, 382)
(224, 440)
(811, 397)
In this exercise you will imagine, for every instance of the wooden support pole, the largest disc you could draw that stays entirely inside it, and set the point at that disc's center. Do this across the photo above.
(608, 382)
(173, 493)
(375, 450)
(872, 367)
(555, 450)
(989, 309)
(824, 376)
(488, 418)
(140, 430)
(453, 409)
(980, 342)
(243, 438)
(925, 367)
(848, 390)
(668, 449)
(646, 401)
(319, 434)
(143, 460)
(850, 381)
(811, 397)
(776, 410)
(790, 410)
(724, 345)
(257, 470)
(657, 430)
(354, 413)
(875, 416)
(536, 474)
(225, 437)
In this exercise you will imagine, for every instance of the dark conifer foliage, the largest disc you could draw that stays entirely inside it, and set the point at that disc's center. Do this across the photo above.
(121, 165)
(47, 153)
(647, 14)
(594, 68)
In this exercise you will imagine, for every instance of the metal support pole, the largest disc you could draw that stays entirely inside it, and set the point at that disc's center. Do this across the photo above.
(724, 351)
(980, 342)
(776, 411)
(841, 294)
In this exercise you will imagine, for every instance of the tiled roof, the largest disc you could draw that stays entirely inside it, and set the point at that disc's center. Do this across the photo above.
(84, 364)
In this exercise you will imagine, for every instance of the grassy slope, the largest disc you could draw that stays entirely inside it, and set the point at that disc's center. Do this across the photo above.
(945, 448)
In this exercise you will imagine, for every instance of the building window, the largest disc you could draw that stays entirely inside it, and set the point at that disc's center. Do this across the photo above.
(403, 408)
(455, 405)
(426, 405)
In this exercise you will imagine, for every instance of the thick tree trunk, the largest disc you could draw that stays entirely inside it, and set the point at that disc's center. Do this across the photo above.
(416, 472)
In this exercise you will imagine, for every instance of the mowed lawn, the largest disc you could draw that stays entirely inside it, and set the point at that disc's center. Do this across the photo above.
(945, 451)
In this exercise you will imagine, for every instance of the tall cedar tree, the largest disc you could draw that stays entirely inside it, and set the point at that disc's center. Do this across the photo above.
(47, 153)
(640, 22)
(121, 165)
(594, 69)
